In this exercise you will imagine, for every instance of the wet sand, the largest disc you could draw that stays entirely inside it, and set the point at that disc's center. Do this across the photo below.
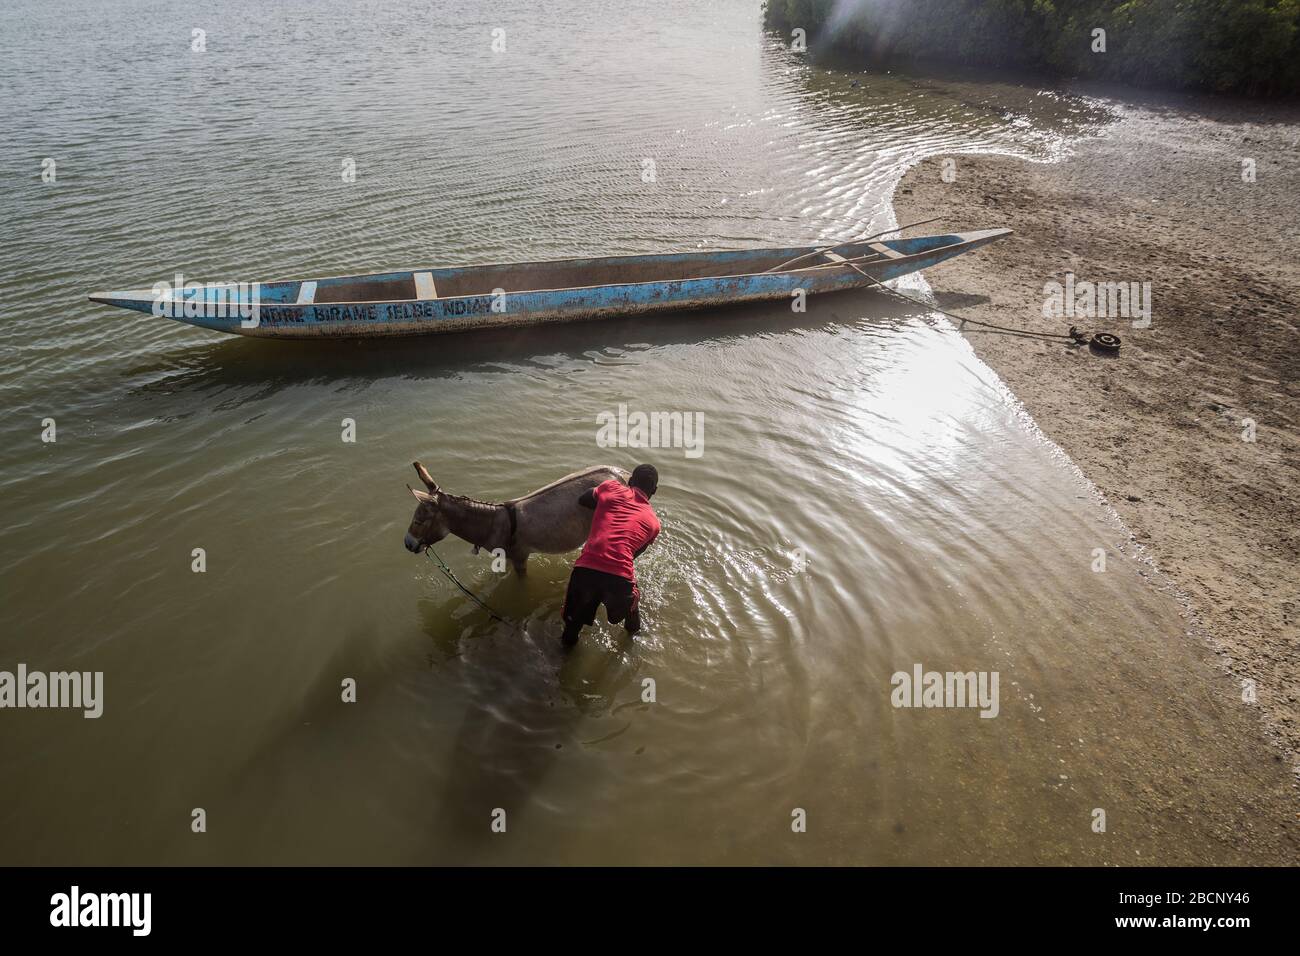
(1159, 197)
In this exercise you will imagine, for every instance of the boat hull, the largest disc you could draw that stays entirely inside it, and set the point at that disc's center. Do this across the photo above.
(275, 318)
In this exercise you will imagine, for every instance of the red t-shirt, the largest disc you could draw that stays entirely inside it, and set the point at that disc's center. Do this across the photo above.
(624, 524)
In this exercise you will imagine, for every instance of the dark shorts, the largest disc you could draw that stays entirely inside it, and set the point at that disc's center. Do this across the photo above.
(589, 589)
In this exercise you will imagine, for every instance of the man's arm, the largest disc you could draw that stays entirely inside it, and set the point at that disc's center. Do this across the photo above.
(636, 554)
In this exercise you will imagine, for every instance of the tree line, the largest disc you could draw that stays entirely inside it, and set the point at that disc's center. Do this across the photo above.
(1249, 47)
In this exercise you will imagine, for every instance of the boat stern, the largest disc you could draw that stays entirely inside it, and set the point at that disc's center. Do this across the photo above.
(221, 307)
(922, 252)
(137, 300)
(981, 237)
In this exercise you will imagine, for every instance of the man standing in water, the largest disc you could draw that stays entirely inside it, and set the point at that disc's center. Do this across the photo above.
(623, 527)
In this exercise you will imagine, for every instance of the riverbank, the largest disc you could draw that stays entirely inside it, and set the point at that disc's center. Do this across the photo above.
(1159, 197)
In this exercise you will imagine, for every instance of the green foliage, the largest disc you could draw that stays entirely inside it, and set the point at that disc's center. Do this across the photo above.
(1237, 46)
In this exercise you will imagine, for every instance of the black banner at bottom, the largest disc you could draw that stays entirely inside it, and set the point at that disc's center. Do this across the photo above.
(333, 905)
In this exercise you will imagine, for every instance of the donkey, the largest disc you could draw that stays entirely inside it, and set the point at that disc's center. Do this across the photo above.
(548, 520)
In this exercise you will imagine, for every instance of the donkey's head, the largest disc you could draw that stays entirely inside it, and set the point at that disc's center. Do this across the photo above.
(429, 525)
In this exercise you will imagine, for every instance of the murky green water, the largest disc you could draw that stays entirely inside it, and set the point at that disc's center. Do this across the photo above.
(935, 525)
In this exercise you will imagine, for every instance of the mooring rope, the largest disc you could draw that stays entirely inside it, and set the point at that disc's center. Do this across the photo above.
(1074, 335)
(451, 576)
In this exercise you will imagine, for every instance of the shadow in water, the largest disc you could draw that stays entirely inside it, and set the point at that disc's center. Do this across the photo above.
(271, 365)
(528, 698)
(957, 87)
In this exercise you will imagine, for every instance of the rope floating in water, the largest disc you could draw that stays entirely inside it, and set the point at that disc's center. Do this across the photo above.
(451, 576)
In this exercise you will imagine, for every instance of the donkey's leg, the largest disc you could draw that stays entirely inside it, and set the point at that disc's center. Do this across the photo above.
(520, 561)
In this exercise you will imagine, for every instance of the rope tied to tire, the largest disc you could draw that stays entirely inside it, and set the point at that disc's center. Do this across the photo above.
(1102, 341)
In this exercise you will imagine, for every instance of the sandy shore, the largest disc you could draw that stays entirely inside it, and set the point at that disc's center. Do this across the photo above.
(1159, 197)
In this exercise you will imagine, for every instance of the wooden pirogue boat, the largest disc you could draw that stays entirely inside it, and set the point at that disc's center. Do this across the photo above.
(523, 293)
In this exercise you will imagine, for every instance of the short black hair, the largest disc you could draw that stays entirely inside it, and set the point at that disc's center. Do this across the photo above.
(645, 477)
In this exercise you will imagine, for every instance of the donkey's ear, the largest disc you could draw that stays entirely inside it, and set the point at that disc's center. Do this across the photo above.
(426, 477)
(420, 495)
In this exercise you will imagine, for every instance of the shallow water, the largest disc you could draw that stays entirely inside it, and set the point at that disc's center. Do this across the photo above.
(869, 496)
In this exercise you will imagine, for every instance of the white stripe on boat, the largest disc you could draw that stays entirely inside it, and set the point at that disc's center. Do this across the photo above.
(307, 294)
(424, 287)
